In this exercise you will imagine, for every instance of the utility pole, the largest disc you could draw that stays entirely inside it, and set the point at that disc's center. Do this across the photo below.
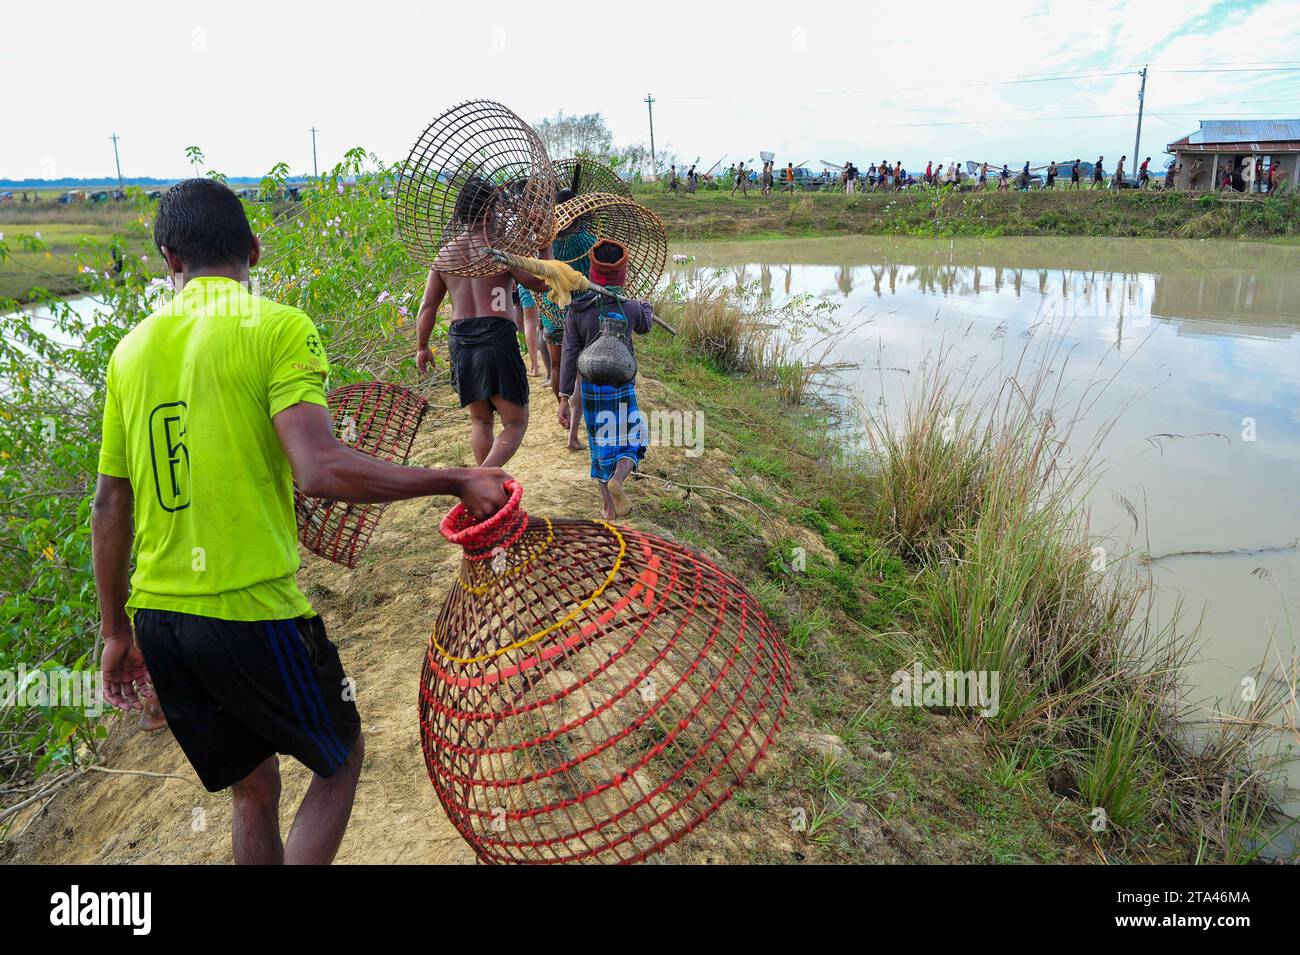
(1137, 140)
(314, 173)
(117, 160)
(650, 105)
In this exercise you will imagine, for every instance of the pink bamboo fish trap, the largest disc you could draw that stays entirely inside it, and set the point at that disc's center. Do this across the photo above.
(591, 692)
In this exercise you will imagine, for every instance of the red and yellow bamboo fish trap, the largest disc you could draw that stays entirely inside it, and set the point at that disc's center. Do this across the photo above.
(374, 418)
(477, 179)
(591, 693)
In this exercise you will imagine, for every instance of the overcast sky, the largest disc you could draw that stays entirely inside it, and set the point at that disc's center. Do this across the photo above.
(245, 80)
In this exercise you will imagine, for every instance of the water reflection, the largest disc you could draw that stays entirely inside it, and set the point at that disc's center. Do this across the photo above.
(1207, 288)
(1199, 340)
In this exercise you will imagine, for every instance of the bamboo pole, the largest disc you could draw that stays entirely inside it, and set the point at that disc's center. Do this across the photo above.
(515, 262)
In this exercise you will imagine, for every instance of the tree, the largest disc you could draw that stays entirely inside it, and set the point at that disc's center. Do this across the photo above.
(566, 136)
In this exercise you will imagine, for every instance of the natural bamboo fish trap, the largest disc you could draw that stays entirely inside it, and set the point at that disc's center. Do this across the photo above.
(591, 692)
(377, 419)
(585, 176)
(634, 226)
(477, 179)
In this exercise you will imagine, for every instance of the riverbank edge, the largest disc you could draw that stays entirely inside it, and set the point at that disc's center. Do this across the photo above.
(931, 213)
(850, 613)
(863, 779)
(714, 214)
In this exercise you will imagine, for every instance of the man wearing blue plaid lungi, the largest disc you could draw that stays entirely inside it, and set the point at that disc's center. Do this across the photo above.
(616, 432)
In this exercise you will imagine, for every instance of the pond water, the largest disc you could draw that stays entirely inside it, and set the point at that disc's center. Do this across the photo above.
(1202, 341)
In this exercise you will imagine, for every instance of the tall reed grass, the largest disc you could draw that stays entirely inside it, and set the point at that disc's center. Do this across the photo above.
(789, 347)
(978, 489)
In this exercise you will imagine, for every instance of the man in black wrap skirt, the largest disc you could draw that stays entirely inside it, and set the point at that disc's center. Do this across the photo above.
(487, 369)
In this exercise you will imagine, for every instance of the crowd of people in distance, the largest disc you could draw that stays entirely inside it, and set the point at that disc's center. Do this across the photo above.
(1259, 176)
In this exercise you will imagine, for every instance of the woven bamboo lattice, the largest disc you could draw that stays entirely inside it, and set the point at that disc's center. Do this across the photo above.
(627, 222)
(591, 692)
(377, 419)
(477, 179)
(585, 176)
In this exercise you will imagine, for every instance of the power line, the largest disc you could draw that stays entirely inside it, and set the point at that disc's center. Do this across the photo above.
(1243, 69)
(1234, 102)
(1053, 78)
(971, 122)
(1045, 78)
(1167, 66)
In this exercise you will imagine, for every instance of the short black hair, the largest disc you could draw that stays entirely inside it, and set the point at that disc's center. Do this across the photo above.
(473, 199)
(204, 223)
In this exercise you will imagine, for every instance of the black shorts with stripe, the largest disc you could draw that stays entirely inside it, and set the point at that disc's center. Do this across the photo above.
(237, 692)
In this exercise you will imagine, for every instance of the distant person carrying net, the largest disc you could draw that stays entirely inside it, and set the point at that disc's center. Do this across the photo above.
(477, 183)
(742, 181)
(487, 369)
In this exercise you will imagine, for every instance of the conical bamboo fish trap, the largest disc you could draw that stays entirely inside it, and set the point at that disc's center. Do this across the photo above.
(477, 179)
(374, 418)
(638, 229)
(591, 692)
(585, 176)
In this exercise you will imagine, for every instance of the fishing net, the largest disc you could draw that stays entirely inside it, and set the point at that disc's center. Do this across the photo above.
(585, 176)
(477, 179)
(377, 419)
(591, 692)
(632, 225)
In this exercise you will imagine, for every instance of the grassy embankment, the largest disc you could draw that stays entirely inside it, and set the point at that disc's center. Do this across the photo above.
(65, 229)
(716, 214)
(956, 543)
(1157, 214)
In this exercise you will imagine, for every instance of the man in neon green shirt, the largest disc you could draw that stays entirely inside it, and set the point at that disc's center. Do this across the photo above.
(215, 407)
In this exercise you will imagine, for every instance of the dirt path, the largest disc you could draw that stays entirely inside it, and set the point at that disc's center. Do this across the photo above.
(380, 615)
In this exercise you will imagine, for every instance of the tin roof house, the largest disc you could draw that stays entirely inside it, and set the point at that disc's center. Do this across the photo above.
(1245, 154)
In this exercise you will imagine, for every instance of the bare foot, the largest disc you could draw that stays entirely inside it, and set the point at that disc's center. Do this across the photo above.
(576, 445)
(622, 504)
(151, 717)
